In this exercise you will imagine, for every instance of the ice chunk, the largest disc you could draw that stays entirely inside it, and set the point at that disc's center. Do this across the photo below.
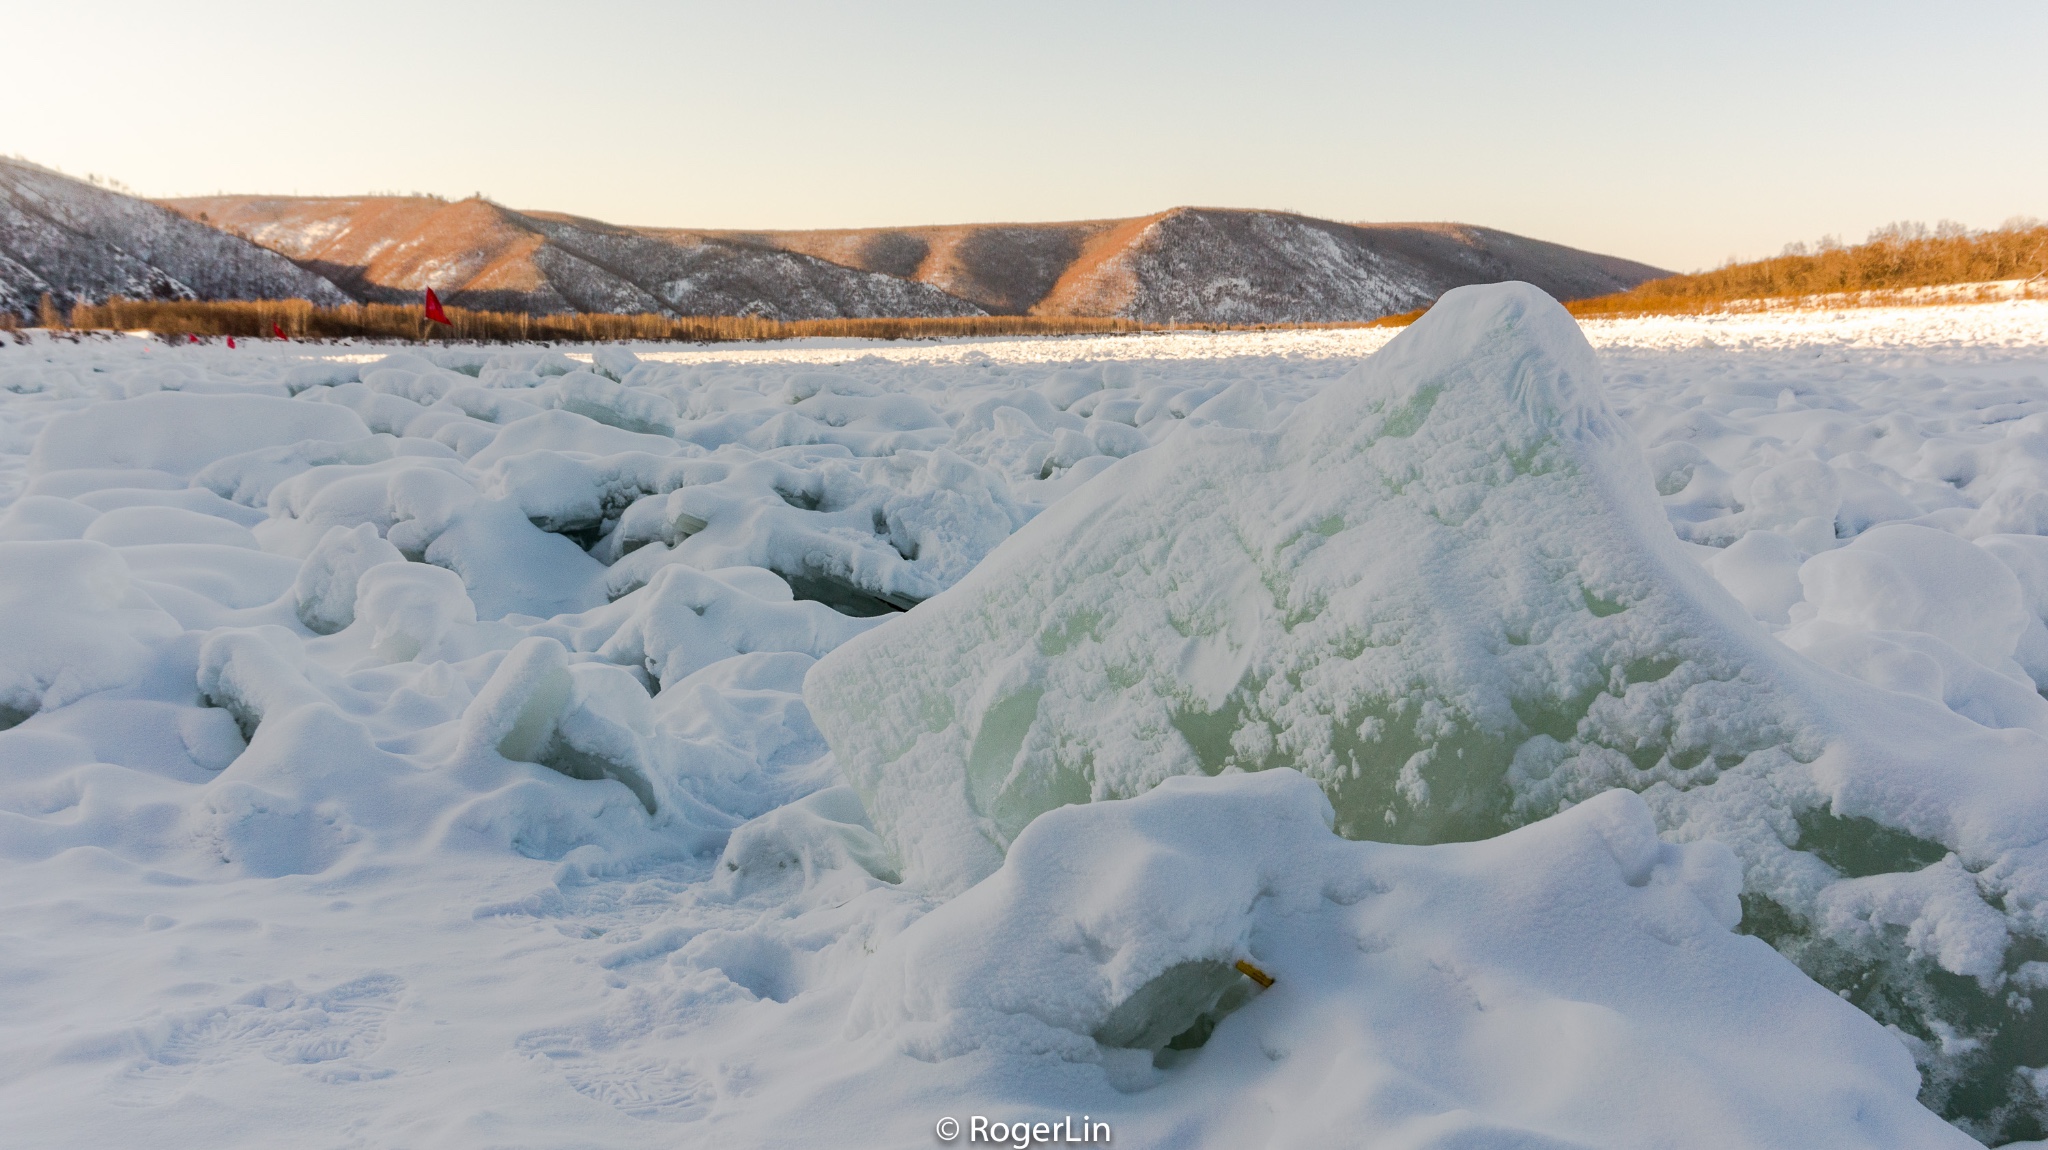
(134, 526)
(1901, 577)
(759, 582)
(1068, 385)
(325, 591)
(381, 411)
(74, 624)
(249, 477)
(864, 541)
(254, 674)
(212, 736)
(428, 509)
(685, 620)
(325, 373)
(613, 362)
(201, 583)
(1761, 570)
(1444, 589)
(603, 400)
(584, 722)
(45, 517)
(178, 433)
(564, 430)
(2027, 557)
(822, 843)
(1429, 565)
(1784, 494)
(408, 608)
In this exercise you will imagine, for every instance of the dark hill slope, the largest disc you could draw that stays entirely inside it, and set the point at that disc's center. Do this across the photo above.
(79, 242)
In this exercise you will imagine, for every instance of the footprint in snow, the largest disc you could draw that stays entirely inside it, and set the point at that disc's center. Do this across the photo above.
(620, 1058)
(328, 1033)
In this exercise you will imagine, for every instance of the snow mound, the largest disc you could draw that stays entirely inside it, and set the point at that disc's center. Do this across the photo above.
(1121, 925)
(75, 624)
(1444, 590)
(177, 433)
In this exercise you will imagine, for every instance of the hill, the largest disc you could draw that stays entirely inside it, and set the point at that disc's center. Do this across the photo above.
(83, 243)
(79, 242)
(1213, 265)
(478, 254)
(1187, 265)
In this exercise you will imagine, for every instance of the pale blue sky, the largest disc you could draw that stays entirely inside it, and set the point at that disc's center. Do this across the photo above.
(1675, 134)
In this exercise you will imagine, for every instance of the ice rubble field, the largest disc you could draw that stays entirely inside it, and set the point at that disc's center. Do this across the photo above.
(484, 747)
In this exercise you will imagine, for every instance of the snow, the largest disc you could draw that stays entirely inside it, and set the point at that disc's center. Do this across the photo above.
(1400, 979)
(411, 746)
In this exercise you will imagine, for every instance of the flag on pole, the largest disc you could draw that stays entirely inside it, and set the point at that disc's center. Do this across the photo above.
(434, 311)
(231, 343)
(191, 338)
(278, 332)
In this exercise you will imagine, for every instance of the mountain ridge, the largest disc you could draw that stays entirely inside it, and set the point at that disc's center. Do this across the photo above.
(1185, 264)
(83, 243)
(1155, 267)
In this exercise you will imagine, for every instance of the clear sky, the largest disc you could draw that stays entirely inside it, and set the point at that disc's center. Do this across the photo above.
(1678, 134)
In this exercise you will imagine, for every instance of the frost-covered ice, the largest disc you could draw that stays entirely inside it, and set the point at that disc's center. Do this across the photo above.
(410, 747)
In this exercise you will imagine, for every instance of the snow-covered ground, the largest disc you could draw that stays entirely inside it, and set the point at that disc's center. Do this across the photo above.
(411, 748)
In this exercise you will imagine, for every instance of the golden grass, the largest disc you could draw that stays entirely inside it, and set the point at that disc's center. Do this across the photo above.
(1890, 269)
(301, 320)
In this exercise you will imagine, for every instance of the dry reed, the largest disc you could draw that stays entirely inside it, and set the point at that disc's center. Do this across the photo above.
(299, 319)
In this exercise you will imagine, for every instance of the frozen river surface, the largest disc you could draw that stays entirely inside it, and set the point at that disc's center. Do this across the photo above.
(483, 747)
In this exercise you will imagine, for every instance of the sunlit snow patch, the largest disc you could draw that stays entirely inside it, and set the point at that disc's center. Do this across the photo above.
(1444, 590)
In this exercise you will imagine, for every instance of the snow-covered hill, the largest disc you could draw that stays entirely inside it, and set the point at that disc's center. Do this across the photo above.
(1188, 265)
(1216, 265)
(79, 242)
(1200, 265)
(479, 254)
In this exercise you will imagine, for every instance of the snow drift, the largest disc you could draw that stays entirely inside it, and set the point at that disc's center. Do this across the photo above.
(1109, 935)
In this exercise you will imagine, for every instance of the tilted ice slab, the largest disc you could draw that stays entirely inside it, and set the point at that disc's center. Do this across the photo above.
(1444, 590)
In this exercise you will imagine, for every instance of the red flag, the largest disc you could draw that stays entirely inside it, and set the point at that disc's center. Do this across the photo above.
(434, 311)
(278, 332)
(191, 338)
(231, 343)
